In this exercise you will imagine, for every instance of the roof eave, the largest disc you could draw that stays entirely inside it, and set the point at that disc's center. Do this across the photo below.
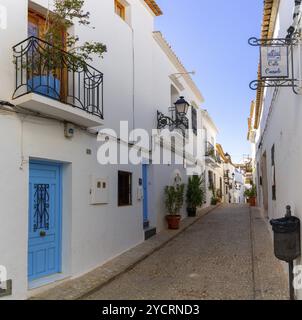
(154, 7)
(268, 26)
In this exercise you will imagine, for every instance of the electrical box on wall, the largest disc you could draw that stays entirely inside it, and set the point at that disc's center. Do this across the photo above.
(99, 192)
(69, 130)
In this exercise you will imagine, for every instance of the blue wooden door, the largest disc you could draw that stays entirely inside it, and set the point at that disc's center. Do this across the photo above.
(44, 245)
(145, 188)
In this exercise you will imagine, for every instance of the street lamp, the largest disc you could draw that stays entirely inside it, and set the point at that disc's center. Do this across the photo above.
(181, 106)
(180, 121)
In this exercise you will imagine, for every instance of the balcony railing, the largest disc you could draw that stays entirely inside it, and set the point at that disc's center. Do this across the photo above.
(49, 71)
(210, 151)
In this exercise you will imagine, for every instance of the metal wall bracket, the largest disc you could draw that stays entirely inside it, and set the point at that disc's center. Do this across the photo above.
(289, 81)
(164, 121)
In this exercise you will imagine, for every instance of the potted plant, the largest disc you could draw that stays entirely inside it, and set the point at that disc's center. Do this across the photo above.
(251, 195)
(194, 195)
(48, 57)
(214, 199)
(174, 201)
(219, 195)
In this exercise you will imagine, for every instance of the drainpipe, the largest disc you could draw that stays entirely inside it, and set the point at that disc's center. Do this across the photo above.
(133, 79)
(296, 19)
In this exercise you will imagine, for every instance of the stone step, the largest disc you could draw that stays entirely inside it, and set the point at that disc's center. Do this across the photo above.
(149, 233)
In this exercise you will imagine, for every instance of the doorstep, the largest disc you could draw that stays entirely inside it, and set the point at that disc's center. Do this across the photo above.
(149, 232)
(83, 286)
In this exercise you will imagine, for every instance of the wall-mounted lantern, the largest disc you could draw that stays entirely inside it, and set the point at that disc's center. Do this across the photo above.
(181, 106)
(178, 119)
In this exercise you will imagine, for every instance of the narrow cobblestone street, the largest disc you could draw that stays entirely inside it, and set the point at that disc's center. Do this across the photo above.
(225, 255)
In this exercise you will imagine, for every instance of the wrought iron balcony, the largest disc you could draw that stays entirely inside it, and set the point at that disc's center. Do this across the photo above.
(211, 155)
(210, 151)
(41, 68)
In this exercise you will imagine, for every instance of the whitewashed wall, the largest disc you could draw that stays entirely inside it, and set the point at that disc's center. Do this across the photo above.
(284, 130)
(239, 193)
(91, 234)
(210, 136)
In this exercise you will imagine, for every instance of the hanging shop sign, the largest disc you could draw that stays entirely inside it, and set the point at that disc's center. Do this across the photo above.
(277, 63)
(274, 62)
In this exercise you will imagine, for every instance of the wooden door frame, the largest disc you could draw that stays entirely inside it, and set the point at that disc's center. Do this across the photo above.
(40, 19)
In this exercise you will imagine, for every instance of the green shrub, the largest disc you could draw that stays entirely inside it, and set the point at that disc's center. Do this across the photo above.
(174, 198)
(251, 193)
(195, 192)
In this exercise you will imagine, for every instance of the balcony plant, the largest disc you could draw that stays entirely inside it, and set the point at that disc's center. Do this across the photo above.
(49, 59)
(194, 195)
(251, 195)
(174, 198)
(211, 153)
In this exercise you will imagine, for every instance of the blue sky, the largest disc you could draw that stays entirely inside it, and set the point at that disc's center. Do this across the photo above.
(211, 37)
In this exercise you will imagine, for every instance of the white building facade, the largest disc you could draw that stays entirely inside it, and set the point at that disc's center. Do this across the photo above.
(275, 130)
(214, 181)
(62, 212)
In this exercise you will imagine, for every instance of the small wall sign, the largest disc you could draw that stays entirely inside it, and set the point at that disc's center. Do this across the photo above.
(274, 62)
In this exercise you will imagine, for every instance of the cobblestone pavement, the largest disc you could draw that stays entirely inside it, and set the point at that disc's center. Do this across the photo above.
(225, 255)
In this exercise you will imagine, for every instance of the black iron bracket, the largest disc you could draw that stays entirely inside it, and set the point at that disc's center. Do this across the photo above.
(268, 82)
(180, 122)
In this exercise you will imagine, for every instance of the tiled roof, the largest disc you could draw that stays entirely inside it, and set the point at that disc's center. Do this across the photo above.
(268, 26)
(154, 7)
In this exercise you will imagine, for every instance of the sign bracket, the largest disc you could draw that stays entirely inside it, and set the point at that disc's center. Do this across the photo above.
(277, 63)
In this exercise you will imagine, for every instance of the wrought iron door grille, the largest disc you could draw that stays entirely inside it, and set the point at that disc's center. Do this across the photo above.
(41, 207)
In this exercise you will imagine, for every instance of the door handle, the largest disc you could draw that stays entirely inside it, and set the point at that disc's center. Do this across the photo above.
(42, 234)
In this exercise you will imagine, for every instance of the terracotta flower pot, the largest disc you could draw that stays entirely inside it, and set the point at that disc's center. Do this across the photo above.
(252, 201)
(173, 221)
